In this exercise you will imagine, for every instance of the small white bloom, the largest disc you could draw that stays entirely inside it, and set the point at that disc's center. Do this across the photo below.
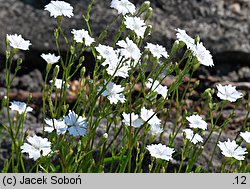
(21, 107)
(37, 146)
(106, 51)
(77, 124)
(135, 120)
(123, 6)
(129, 49)
(81, 36)
(122, 71)
(50, 58)
(203, 55)
(156, 129)
(114, 93)
(55, 124)
(59, 8)
(184, 37)
(194, 138)
(16, 41)
(246, 136)
(228, 92)
(105, 135)
(195, 121)
(160, 151)
(231, 149)
(59, 83)
(157, 50)
(148, 115)
(157, 87)
(135, 24)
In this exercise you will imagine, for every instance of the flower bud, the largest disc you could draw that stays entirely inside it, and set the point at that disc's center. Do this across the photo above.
(197, 83)
(196, 66)
(144, 7)
(148, 31)
(56, 71)
(105, 135)
(81, 59)
(72, 50)
(148, 14)
(19, 61)
(56, 34)
(7, 54)
(82, 72)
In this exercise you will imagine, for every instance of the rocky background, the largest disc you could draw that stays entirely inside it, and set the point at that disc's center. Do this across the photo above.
(223, 26)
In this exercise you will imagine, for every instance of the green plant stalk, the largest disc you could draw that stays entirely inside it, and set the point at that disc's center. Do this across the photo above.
(218, 138)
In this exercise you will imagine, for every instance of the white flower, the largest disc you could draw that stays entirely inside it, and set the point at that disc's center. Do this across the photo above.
(38, 146)
(157, 50)
(157, 87)
(82, 35)
(59, 83)
(228, 92)
(122, 71)
(184, 37)
(156, 129)
(106, 51)
(129, 49)
(105, 135)
(123, 6)
(193, 138)
(55, 124)
(148, 115)
(160, 151)
(203, 55)
(21, 107)
(114, 94)
(195, 121)
(50, 58)
(246, 136)
(135, 120)
(231, 149)
(135, 24)
(16, 41)
(59, 8)
(77, 124)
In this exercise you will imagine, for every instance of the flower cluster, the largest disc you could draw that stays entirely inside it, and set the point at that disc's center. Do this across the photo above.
(75, 124)
(195, 122)
(203, 55)
(118, 64)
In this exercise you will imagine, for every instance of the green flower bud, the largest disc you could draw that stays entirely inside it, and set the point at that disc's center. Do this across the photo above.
(56, 34)
(148, 14)
(7, 54)
(148, 31)
(144, 7)
(82, 72)
(56, 71)
(72, 50)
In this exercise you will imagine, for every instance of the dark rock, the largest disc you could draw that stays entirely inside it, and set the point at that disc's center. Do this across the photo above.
(221, 27)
